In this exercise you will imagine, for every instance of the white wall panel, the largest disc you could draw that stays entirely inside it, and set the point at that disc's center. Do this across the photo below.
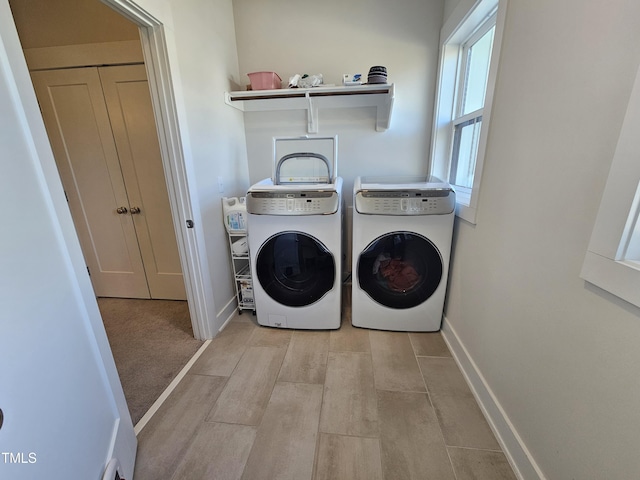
(334, 38)
(559, 355)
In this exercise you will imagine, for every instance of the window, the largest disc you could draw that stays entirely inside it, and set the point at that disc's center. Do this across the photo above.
(465, 90)
(612, 261)
(472, 86)
(629, 249)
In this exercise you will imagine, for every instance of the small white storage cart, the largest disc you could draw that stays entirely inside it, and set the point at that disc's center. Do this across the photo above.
(235, 222)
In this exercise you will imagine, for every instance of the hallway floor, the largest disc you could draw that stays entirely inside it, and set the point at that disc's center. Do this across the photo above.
(351, 404)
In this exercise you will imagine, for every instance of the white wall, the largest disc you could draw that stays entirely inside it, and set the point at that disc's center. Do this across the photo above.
(336, 37)
(208, 66)
(559, 355)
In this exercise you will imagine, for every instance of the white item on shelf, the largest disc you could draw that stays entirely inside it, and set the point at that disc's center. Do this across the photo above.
(235, 213)
(240, 246)
(349, 79)
(246, 291)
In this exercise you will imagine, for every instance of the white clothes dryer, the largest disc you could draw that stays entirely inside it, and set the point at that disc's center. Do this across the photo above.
(295, 250)
(402, 233)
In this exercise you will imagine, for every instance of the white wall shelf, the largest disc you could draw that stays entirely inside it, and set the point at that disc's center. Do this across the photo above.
(312, 99)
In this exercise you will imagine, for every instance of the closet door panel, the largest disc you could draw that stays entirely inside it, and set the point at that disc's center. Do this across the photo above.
(79, 130)
(128, 101)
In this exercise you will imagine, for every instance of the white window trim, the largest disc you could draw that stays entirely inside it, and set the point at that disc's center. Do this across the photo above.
(460, 25)
(605, 265)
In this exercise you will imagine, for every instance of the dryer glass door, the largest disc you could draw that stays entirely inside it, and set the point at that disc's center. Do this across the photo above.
(295, 269)
(400, 269)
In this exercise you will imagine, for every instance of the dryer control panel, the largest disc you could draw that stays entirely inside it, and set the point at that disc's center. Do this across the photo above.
(405, 202)
(293, 203)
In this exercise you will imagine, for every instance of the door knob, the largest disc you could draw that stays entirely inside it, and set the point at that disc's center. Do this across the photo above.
(134, 210)
(121, 210)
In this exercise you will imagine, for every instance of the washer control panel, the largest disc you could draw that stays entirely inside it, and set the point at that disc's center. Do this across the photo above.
(293, 203)
(405, 202)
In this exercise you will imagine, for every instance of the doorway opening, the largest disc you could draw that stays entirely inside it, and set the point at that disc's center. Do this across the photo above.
(149, 39)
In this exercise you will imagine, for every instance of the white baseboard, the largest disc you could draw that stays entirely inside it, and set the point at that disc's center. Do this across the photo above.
(227, 313)
(514, 448)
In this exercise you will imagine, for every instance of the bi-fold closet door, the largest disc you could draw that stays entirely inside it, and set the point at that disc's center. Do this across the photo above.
(102, 130)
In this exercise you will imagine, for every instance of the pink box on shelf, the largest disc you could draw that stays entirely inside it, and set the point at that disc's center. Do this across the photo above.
(264, 80)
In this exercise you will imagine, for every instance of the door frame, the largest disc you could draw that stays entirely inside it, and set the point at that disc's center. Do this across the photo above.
(156, 60)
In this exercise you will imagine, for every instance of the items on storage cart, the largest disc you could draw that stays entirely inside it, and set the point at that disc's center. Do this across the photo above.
(235, 221)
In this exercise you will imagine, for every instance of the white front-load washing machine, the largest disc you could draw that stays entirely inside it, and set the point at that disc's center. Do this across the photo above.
(402, 233)
(294, 223)
(295, 249)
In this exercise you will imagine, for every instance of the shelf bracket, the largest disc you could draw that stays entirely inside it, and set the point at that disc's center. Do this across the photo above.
(383, 111)
(312, 115)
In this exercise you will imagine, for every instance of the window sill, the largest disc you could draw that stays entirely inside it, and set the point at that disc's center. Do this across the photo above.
(464, 210)
(622, 279)
(631, 264)
(466, 213)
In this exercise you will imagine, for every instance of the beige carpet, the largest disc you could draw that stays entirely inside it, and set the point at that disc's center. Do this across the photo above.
(152, 341)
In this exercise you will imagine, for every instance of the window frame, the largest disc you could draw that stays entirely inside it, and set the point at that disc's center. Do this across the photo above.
(464, 121)
(468, 44)
(459, 29)
(606, 264)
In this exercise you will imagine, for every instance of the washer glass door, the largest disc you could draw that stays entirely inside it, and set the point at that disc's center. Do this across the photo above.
(400, 269)
(295, 269)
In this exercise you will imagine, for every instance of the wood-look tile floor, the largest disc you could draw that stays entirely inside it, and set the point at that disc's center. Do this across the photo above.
(350, 404)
